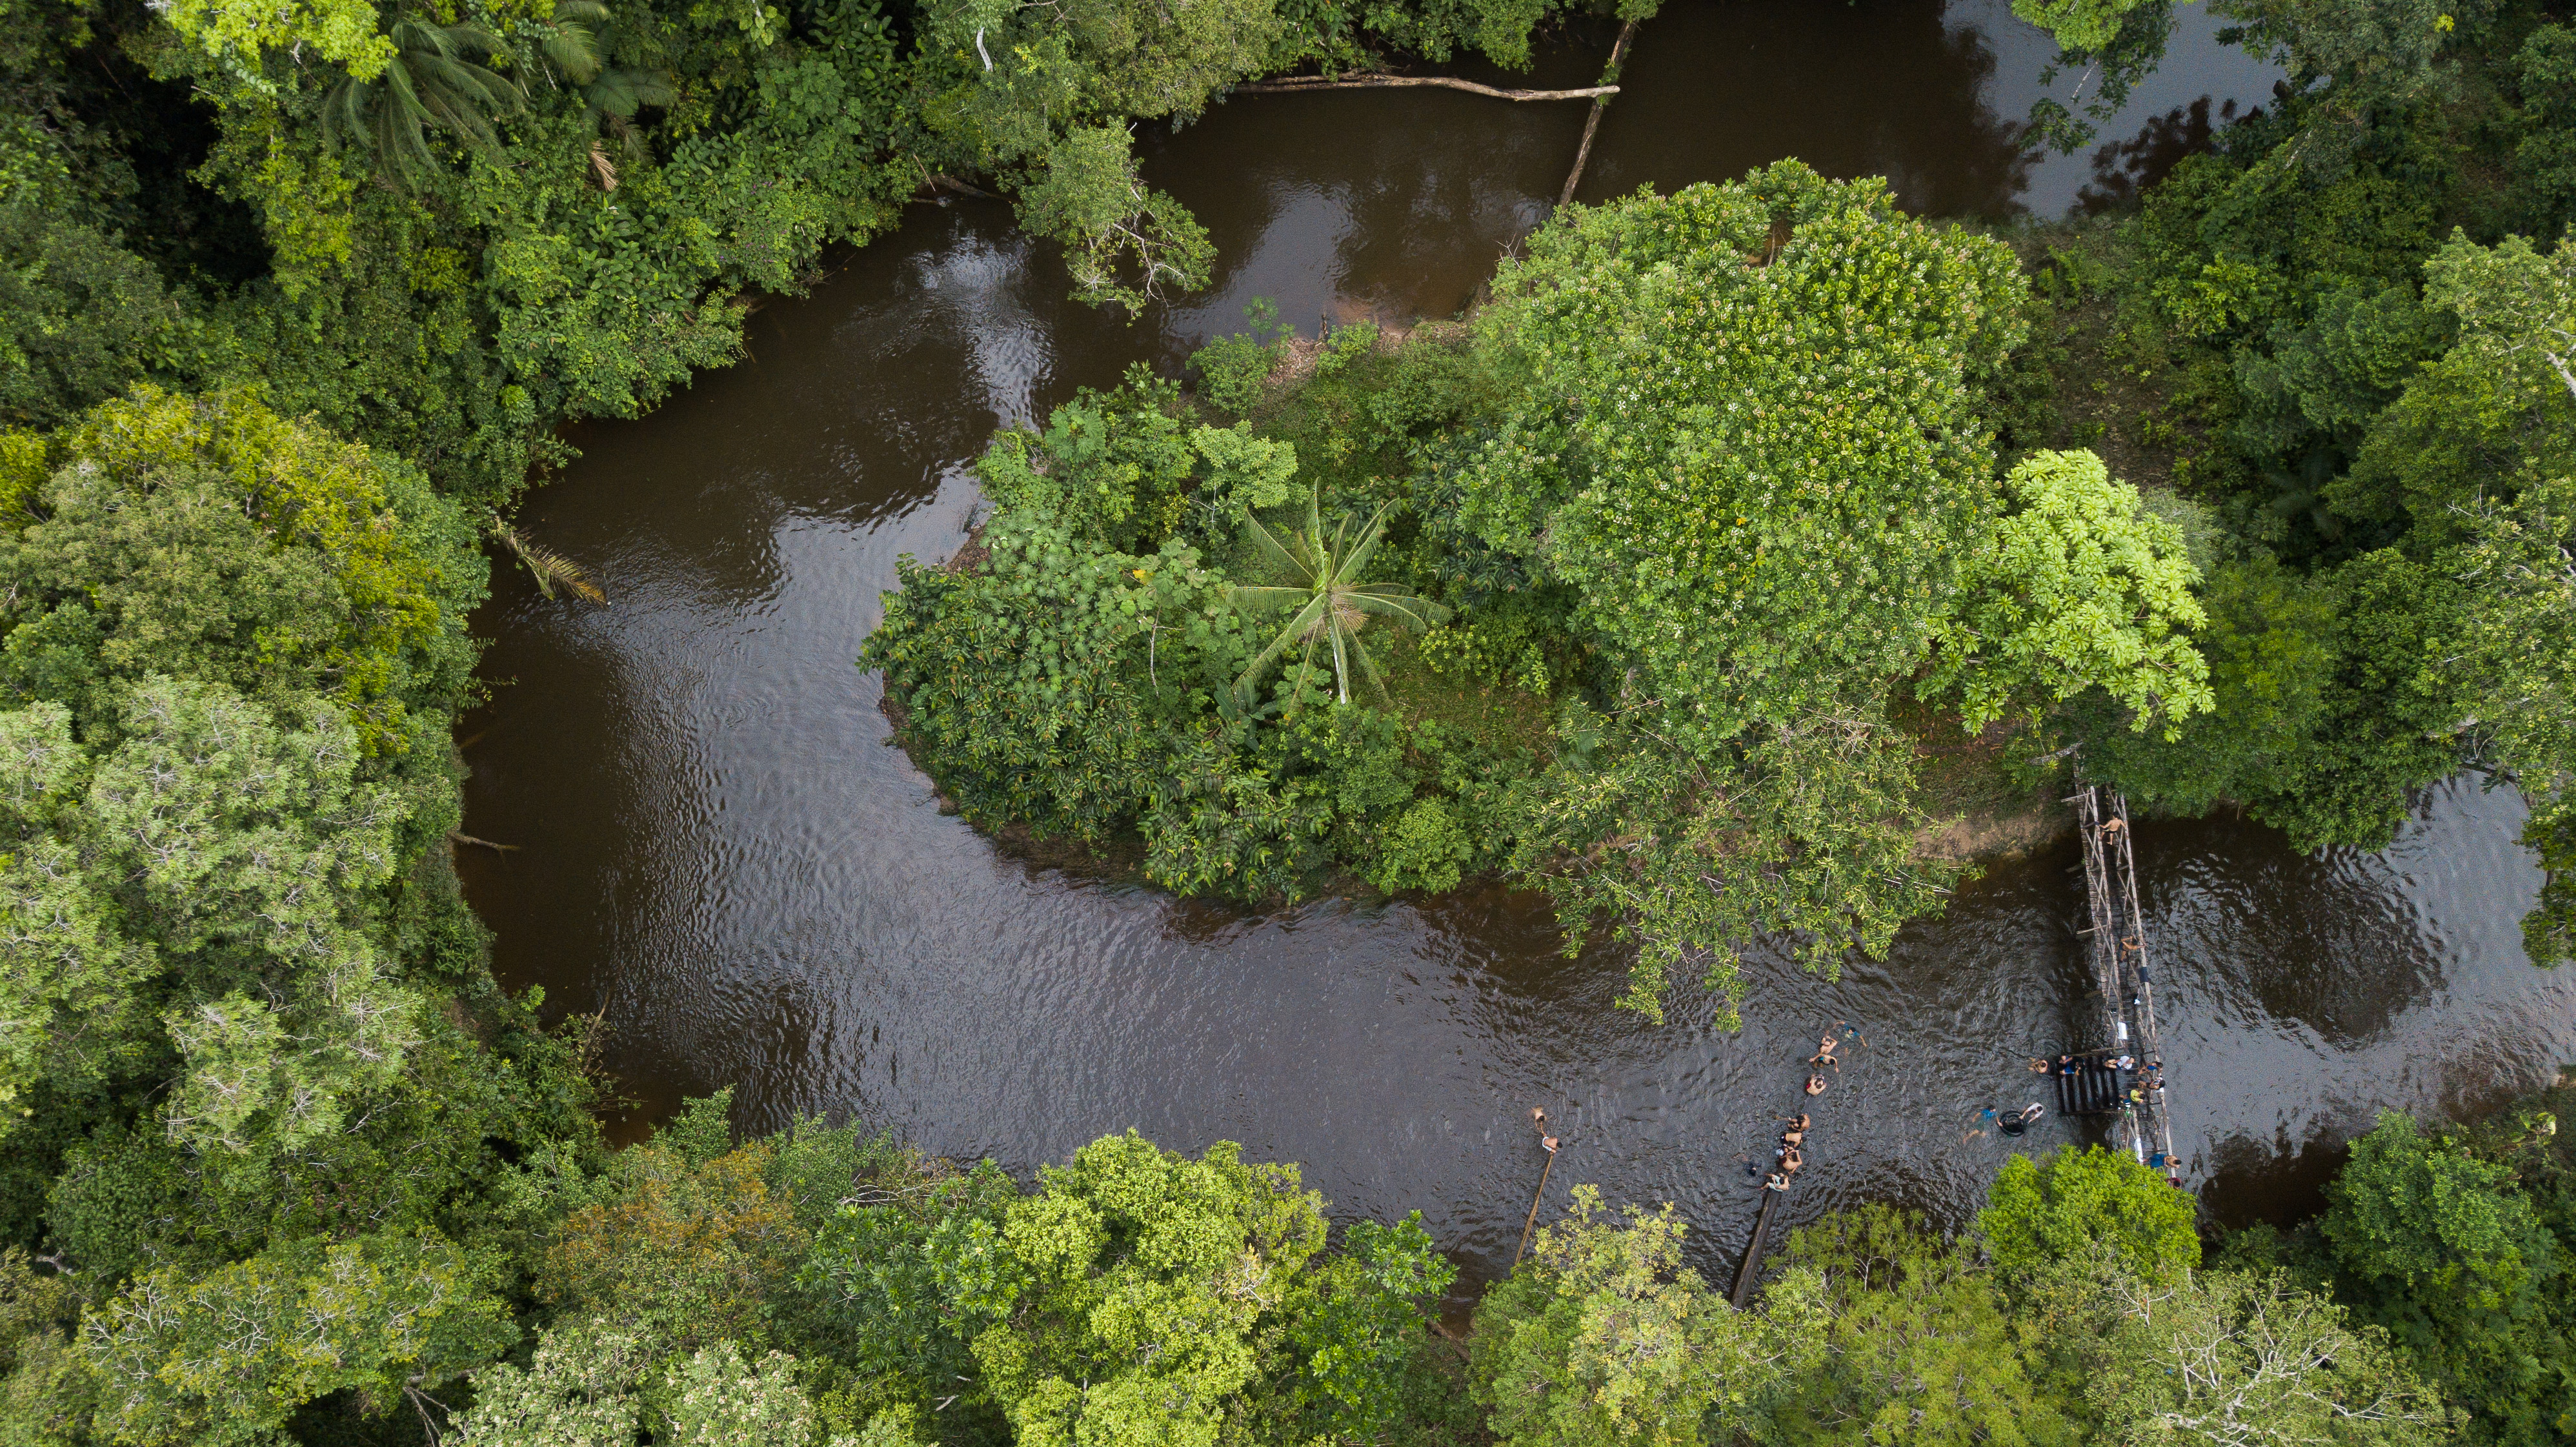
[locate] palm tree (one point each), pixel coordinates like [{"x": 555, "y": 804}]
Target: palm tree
[
  {"x": 1331, "y": 602},
  {"x": 433, "y": 80},
  {"x": 614, "y": 68}
]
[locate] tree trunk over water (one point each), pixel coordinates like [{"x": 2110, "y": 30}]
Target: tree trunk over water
[{"x": 1290, "y": 84}]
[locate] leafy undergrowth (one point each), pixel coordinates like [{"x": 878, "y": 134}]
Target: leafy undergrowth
[
  {"x": 1977, "y": 789},
  {"x": 1500, "y": 717},
  {"x": 2093, "y": 374}
]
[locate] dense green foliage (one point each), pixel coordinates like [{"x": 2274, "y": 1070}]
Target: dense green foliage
[
  {"x": 2453, "y": 1242},
  {"x": 2079, "y": 589},
  {"x": 2076, "y": 1312},
  {"x": 2340, "y": 327},
  {"x": 1700, "y": 487},
  {"x": 242, "y": 993},
  {"x": 1609, "y": 591}
]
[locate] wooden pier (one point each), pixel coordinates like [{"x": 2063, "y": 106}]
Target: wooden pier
[
  {"x": 2090, "y": 1081},
  {"x": 2124, "y": 978}
]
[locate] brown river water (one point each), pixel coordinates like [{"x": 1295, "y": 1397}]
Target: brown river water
[{"x": 717, "y": 850}]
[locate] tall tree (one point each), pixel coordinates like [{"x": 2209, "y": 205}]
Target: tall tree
[{"x": 1745, "y": 434}]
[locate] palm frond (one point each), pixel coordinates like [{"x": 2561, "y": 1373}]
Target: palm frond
[
  {"x": 1303, "y": 625},
  {"x": 1305, "y": 669},
  {"x": 1279, "y": 553},
  {"x": 574, "y": 45},
  {"x": 1404, "y": 608},
  {"x": 1368, "y": 670},
  {"x": 430, "y": 82},
  {"x": 1359, "y": 552},
  {"x": 621, "y": 93},
  {"x": 550, "y": 568},
  {"x": 1250, "y": 596},
  {"x": 1335, "y": 603}
]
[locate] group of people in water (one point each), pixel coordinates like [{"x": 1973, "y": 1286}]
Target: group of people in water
[
  {"x": 2149, "y": 1083},
  {"x": 1788, "y": 1158},
  {"x": 1824, "y": 1056},
  {"x": 2146, "y": 1082},
  {"x": 1789, "y": 1154}
]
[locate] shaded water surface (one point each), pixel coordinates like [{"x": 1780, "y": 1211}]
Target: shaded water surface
[{"x": 718, "y": 850}]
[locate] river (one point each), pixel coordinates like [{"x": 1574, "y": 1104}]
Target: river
[{"x": 717, "y": 850}]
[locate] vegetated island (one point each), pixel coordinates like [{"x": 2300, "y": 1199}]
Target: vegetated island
[{"x": 1674, "y": 584}]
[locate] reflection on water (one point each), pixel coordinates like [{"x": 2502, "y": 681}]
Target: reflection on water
[
  {"x": 719, "y": 850},
  {"x": 2123, "y": 170}
]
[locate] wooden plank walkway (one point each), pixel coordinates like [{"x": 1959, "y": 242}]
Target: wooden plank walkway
[{"x": 2123, "y": 974}]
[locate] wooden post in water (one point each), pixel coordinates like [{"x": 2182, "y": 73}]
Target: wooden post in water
[
  {"x": 1539, "y": 1118},
  {"x": 1592, "y": 122},
  {"x": 1749, "y": 1268}
]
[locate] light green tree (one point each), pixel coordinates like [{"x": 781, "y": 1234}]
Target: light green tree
[
  {"x": 207, "y": 833},
  {"x": 1125, "y": 242},
  {"x": 580, "y": 1389},
  {"x": 718, "y": 1399},
  {"x": 1244, "y": 472},
  {"x": 1919, "y": 1346},
  {"x": 2072, "y": 1206},
  {"x": 1747, "y": 435},
  {"x": 1603, "y": 1336},
  {"x": 2080, "y": 25},
  {"x": 66, "y": 966},
  {"x": 1140, "y": 1296},
  {"x": 1744, "y": 432},
  {"x": 233, "y": 837},
  {"x": 2078, "y": 587},
  {"x": 228, "y": 1356},
  {"x": 238, "y": 33}
]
